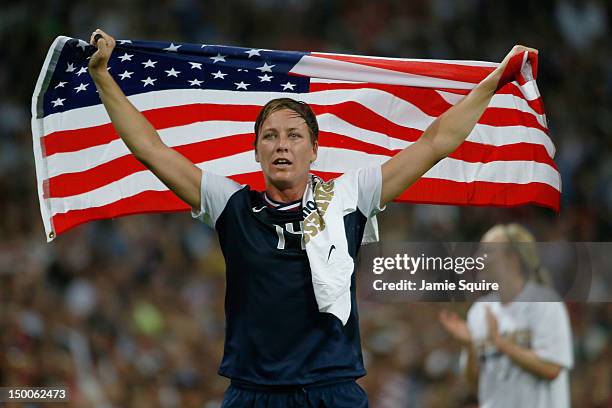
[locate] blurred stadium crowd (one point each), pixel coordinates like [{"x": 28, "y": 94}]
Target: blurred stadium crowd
[{"x": 129, "y": 312}]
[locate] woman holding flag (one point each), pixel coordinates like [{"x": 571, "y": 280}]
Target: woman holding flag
[{"x": 292, "y": 332}]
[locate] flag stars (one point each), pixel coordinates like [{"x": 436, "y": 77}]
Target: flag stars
[
  {"x": 172, "y": 48},
  {"x": 266, "y": 68},
  {"x": 241, "y": 85},
  {"x": 265, "y": 78},
  {"x": 218, "y": 58},
  {"x": 60, "y": 85},
  {"x": 289, "y": 86},
  {"x": 70, "y": 68},
  {"x": 253, "y": 52},
  {"x": 149, "y": 64},
  {"x": 173, "y": 72},
  {"x": 196, "y": 65},
  {"x": 82, "y": 71},
  {"x": 218, "y": 75},
  {"x": 195, "y": 82},
  {"x": 126, "y": 57},
  {"x": 81, "y": 87},
  {"x": 148, "y": 81},
  {"x": 126, "y": 74},
  {"x": 58, "y": 102}
]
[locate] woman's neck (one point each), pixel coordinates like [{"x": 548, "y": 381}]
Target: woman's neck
[
  {"x": 511, "y": 289},
  {"x": 286, "y": 194}
]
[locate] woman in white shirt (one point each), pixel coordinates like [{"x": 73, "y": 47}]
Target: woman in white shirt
[{"x": 517, "y": 344}]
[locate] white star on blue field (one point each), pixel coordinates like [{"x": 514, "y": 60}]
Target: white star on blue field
[{"x": 145, "y": 66}]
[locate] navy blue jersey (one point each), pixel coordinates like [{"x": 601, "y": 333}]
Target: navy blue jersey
[{"x": 275, "y": 333}]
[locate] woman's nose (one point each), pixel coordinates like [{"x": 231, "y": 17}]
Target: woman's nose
[{"x": 283, "y": 143}]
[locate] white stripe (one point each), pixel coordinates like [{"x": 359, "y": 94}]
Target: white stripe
[
  {"x": 333, "y": 81},
  {"x": 529, "y": 90},
  {"x": 38, "y": 132},
  {"x": 348, "y": 71},
  {"x": 329, "y": 160},
  {"x": 526, "y": 70},
  {"x": 329, "y": 122},
  {"x": 381, "y": 102},
  {"x": 507, "y": 101},
  {"x": 78, "y": 161}
]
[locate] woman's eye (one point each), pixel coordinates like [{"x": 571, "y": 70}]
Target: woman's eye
[{"x": 294, "y": 135}]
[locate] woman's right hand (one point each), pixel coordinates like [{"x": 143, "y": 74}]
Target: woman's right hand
[{"x": 98, "y": 62}]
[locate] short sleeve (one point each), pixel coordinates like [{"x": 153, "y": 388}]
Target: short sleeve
[
  {"x": 552, "y": 336},
  {"x": 215, "y": 192},
  {"x": 370, "y": 187}
]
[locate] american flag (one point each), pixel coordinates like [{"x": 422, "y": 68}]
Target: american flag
[{"x": 203, "y": 100}]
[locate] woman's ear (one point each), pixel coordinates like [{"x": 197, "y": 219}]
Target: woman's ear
[
  {"x": 256, "y": 156},
  {"x": 315, "y": 149}
]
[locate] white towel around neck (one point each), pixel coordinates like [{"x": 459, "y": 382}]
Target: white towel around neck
[{"x": 324, "y": 205}]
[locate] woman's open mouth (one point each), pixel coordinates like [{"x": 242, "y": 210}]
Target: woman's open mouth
[{"x": 281, "y": 163}]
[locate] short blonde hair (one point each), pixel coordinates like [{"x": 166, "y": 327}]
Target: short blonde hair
[{"x": 523, "y": 243}]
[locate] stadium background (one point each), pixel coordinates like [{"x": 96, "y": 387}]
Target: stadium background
[{"x": 129, "y": 312}]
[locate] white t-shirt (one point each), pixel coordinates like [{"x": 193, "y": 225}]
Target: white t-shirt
[{"x": 540, "y": 326}]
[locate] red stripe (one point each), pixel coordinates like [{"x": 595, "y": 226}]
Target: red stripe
[
  {"x": 510, "y": 117},
  {"x": 424, "y": 191},
  {"x": 161, "y": 118},
  {"x": 481, "y": 193},
  {"x": 68, "y": 184},
  {"x": 455, "y": 72},
  {"x": 512, "y": 71},
  {"x": 467, "y": 151},
  {"x": 427, "y": 100},
  {"x": 145, "y": 202}
]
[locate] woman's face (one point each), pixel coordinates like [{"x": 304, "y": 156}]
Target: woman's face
[
  {"x": 284, "y": 149},
  {"x": 501, "y": 262}
]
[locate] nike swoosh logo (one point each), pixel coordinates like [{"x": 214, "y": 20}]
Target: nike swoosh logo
[
  {"x": 330, "y": 251},
  {"x": 255, "y": 209}
]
